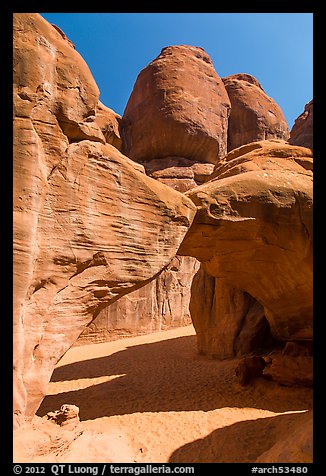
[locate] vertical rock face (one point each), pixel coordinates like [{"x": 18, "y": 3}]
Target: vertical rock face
[
  {"x": 228, "y": 321},
  {"x": 161, "y": 304},
  {"x": 302, "y": 130},
  {"x": 109, "y": 121},
  {"x": 89, "y": 225},
  {"x": 178, "y": 107},
  {"x": 253, "y": 231},
  {"x": 164, "y": 302},
  {"x": 254, "y": 116}
]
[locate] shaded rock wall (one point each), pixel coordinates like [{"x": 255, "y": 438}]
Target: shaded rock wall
[
  {"x": 228, "y": 321},
  {"x": 159, "y": 305}
]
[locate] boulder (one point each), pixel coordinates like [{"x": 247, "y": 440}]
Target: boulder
[
  {"x": 89, "y": 225},
  {"x": 178, "y": 107},
  {"x": 254, "y": 115},
  {"x": 302, "y": 130},
  {"x": 248, "y": 368},
  {"x": 67, "y": 416},
  {"x": 291, "y": 370},
  {"x": 253, "y": 231}
]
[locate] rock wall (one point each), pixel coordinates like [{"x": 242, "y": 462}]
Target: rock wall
[
  {"x": 159, "y": 305},
  {"x": 164, "y": 302},
  {"x": 253, "y": 231},
  {"x": 302, "y": 130},
  {"x": 228, "y": 321},
  {"x": 89, "y": 225}
]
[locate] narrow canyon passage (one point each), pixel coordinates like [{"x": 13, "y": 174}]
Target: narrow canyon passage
[{"x": 152, "y": 398}]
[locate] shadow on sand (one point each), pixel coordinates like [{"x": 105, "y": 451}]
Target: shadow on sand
[
  {"x": 166, "y": 376},
  {"x": 245, "y": 441}
]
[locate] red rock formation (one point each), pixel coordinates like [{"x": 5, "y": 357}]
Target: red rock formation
[
  {"x": 295, "y": 445},
  {"x": 164, "y": 302},
  {"x": 228, "y": 321},
  {"x": 67, "y": 416},
  {"x": 249, "y": 368},
  {"x": 253, "y": 231},
  {"x": 288, "y": 370},
  {"x": 109, "y": 121},
  {"x": 89, "y": 225},
  {"x": 292, "y": 366},
  {"x": 254, "y": 115},
  {"x": 178, "y": 107},
  {"x": 159, "y": 305},
  {"x": 186, "y": 130},
  {"x": 177, "y": 172},
  {"x": 302, "y": 130}
]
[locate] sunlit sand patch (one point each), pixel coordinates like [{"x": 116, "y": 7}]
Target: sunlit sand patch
[{"x": 56, "y": 388}]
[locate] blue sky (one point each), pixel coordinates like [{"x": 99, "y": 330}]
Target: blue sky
[{"x": 276, "y": 48}]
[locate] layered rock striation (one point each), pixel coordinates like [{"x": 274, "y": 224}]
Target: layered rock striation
[
  {"x": 89, "y": 225},
  {"x": 94, "y": 228},
  {"x": 161, "y": 304},
  {"x": 253, "y": 235}
]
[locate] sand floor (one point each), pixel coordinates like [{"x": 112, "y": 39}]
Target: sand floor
[{"x": 152, "y": 398}]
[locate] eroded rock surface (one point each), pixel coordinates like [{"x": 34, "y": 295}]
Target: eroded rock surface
[
  {"x": 178, "y": 107},
  {"x": 89, "y": 225},
  {"x": 248, "y": 368},
  {"x": 254, "y": 115},
  {"x": 302, "y": 130},
  {"x": 228, "y": 321},
  {"x": 109, "y": 122},
  {"x": 253, "y": 231},
  {"x": 159, "y": 305}
]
